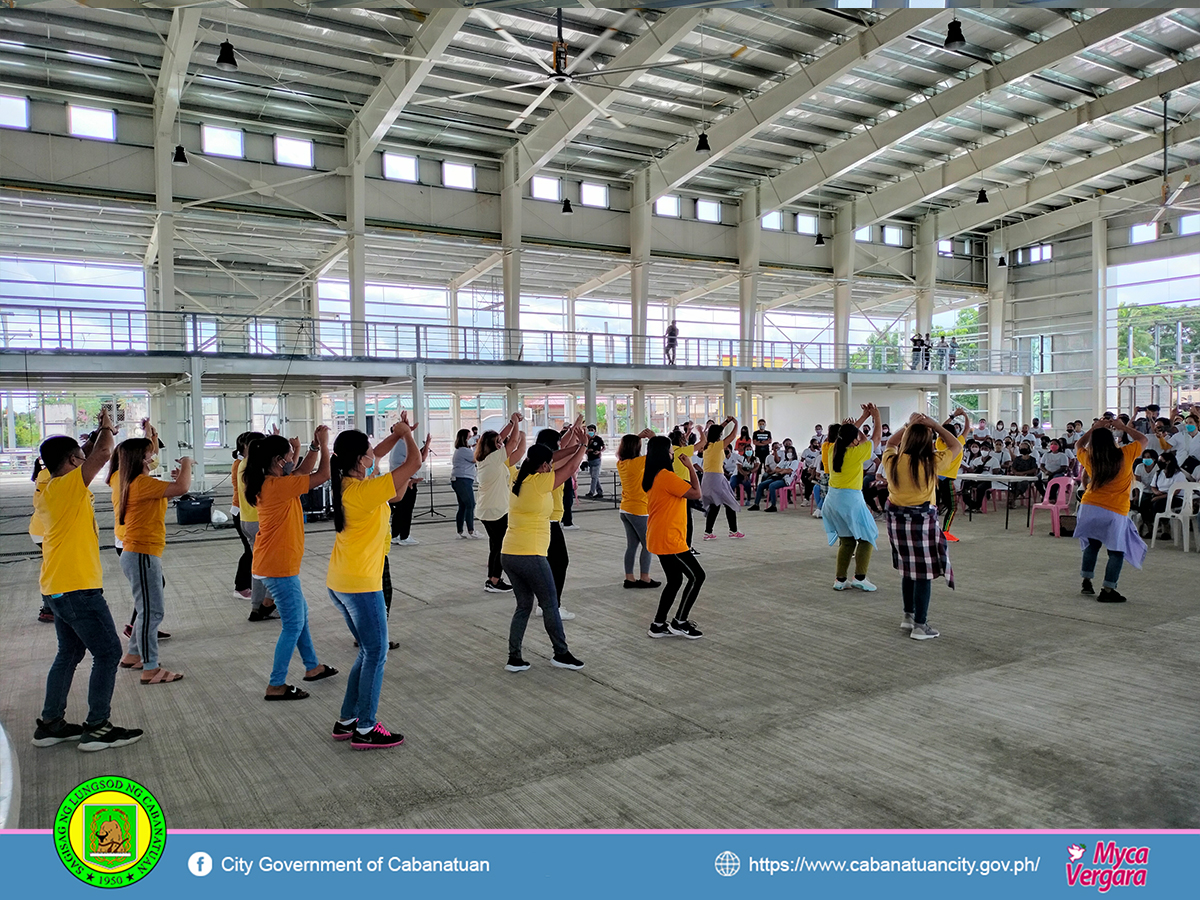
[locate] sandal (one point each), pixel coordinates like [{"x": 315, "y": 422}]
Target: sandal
[
  {"x": 291, "y": 692},
  {"x": 131, "y": 665},
  {"x": 326, "y": 672},
  {"x": 162, "y": 676}
]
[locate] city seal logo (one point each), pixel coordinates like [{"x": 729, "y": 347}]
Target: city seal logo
[{"x": 109, "y": 832}]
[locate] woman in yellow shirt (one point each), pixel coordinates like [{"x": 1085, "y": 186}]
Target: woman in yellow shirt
[
  {"x": 496, "y": 456},
  {"x": 631, "y": 466},
  {"x": 715, "y": 491},
  {"x": 667, "y": 498},
  {"x": 847, "y": 520},
  {"x": 241, "y": 579},
  {"x": 279, "y": 548},
  {"x": 1104, "y": 510},
  {"x": 37, "y": 524},
  {"x": 141, "y": 512},
  {"x": 526, "y": 542},
  {"x": 362, "y": 520},
  {"x": 911, "y": 463},
  {"x": 681, "y": 464}
]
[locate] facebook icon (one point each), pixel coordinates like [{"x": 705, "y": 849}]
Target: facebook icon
[{"x": 200, "y": 864}]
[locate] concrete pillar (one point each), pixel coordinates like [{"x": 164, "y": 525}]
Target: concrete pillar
[
  {"x": 512, "y": 400},
  {"x": 925, "y": 271},
  {"x": 639, "y": 257},
  {"x": 452, "y": 302},
  {"x": 569, "y": 310},
  {"x": 198, "y": 430},
  {"x": 510, "y": 245},
  {"x": 589, "y": 395},
  {"x": 356, "y": 250},
  {"x": 420, "y": 406},
  {"x": 1104, "y": 332},
  {"x": 944, "y": 405},
  {"x": 845, "y": 397},
  {"x": 637, "y": 415},
  {"x": 746, "y": 412},
  {"x": 455, "y": 411},
  {"x": 165, "y": 332},
  {"x": 843, "y": 286},
  {"x": 360, "y": 407},
  {"x": 996, "y": 311},
  {"x": 167, "y": 423},
  {"x": 729, "y": 383},
  {"x": 749, "y": 241}
]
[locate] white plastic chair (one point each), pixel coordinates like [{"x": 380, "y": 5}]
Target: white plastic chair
[{"x": 1184, "y": 517}]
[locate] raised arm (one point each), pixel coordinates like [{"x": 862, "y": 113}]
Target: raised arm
[
  {"x": 321, "y": 475},
  {"x": 1085, "y": 439},
  {"x": 733, "y": 432},
  {"x": 402, "y": 431},
  {"x": 693, "y": 492},
  {"x": 1137, "y": 436},
  {"x": 183, "y": 481},
  {"x": 98, "y": 448},
  {"x": 515, "y": 448},
  {"x": 564, "y": 469},
  {"x": 953, "y": 444}
]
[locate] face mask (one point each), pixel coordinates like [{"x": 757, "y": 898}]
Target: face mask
[
  {"x": 1053, "y": 448},
  {"x": 591, "y": 434},
  {"x": 370, "y": 470},
  {"x": 1147, "y": 463},
  {"x": 287, "y": 468},
  {"x": 1191, "y": 428}
]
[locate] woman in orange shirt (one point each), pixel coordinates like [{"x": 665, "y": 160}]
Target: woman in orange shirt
[
  {"x": 631, "y": 466},
  {"x": 241, "y": 579},
  {"x": 667, "y": 497},
  {"x": 1104, "y": 510},
  {"x": 141, "y": 511},
  {"x": 279, "y": 548}
]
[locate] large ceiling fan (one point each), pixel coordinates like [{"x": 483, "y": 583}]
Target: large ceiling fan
[
  {"x": 1183, "y": 197},
  {"x": 561, "y": 72}
]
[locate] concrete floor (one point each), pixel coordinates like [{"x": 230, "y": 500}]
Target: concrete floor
[{"x": 800, "y": 708}]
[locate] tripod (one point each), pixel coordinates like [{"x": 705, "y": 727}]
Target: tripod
[{"x": 432, "y": 511}]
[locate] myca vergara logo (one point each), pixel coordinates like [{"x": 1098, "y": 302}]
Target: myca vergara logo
[
  {"x": 1110, "y": 866},
  {"x": 109, "y": 832}
]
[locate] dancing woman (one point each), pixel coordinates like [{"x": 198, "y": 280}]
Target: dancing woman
[
  {"x": 496, "y": 459},
  {"x": 847, "y": 520},
  {"x": 667, "y": 497},
  {"x": 715, "y": 491},
  {"x": 631, "y": 466}
]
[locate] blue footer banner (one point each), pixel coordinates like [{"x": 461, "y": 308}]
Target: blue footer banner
[{"x": 103, "y": 842}]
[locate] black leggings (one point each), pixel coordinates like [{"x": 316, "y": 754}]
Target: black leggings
[
  {"x": 558, "y": 558},
  {"x": 495, "y": 529},
  {"x": 241, "y": 580},
  {"x": 678, "y": 567},
  {"x": 711, "y": 518}
]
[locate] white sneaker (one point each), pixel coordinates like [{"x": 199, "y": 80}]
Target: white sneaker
[
  {"x": 924, "y": 632},
  {"x": 407, "y": 542},
  {"x": 564, "y": 615},
  {"x": 570, "y": 528},
  {"x": 818, "y": 515},
  {"x": 863, "y": 585},
  {"x": 463, "y": 536},
  {"x": 840, "y": 585},
  {"x": 475, "y": 536}
]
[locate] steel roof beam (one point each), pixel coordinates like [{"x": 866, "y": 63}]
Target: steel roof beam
[
  {"x": 1040, "y": 228},
  {"x": 894, "y": 199},
  {"x": 796, "y": 296},
  {"x": 703, "y": 290},
  {"x": 841, "y": 158},
  {"x": 684, "y": 163},
  {"x": 970, "y": 216},
  {"x": 566, "y": 122},
  {"x": 402, "y": 80},
  {"x": 476, "y": 271},
  {"x": 599, "y": 281},
  {"x": 173, "y": 73}
]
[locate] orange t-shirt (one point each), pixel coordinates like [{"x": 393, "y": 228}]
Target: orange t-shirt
[
  {"x": 666, "y": 529},
  {"x": 145, "y": 516},
  {"x": 237, "y": 496},
  {"x": 114, "y": 483},
  {"x": 1113, "y": 496},
  {"x": 280, "y": 543}
]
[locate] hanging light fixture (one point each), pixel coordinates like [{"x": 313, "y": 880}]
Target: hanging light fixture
[
  {"x": 820, "y": 241},
  {"x": 566, "y": 208},
  {"x": 702, "y": 143},
  {"x": 180, "y": 158},
  {"x": 954, "y": 35},
  {"x": 1166, "y": 230},
  {"x": 981, "y": 198},
  {"x": 225, "y": 58},
  {"x": 1003, "y": 262}
]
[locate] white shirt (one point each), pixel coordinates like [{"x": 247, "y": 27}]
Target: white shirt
[{"x": 810, "y": 457}]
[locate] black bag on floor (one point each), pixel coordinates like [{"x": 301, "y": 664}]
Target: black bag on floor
[{"x": 1066, "y": 526}]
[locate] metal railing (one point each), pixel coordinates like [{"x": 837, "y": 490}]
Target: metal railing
[{"x": 81, "y": 329}]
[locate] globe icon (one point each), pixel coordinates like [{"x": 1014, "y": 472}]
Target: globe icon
[{"x": 728, "y": 863}]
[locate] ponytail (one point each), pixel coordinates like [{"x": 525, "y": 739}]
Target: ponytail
[
  {"x": 348, "y": 449},
  {"x": 538, "y": 456},
  {"x": 845, "y": 437},
  {"x": 260, "y": 455},
  {"x": 37, "y": 468}
]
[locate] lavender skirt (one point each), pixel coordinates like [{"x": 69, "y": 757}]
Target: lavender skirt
[
  {"x": 715, "y": 491},
  {"x": 1114, "y": 531}
]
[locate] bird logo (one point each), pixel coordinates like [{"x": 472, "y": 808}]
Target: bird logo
[{"x": 1076, "y": 851}]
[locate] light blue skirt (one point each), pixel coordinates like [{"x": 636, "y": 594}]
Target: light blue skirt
[
  {"x": 1114, "y": 531},
  {"x": 845, "y": 514}
]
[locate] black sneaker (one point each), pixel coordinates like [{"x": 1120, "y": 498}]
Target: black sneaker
[
  {"x": 378, "y": 738},
  {"x": 771, "y": 509},
  {"x": 1110, "y": 595},
  {"x": 660, "y": 631},
  {"x": 57, "y": 732},
  {"x": 685, "y": 629},
  {"x": 46, "y": 614},
  {"x": 262, "y": 614},
  {"x": 566, "y": 661},
  {"x": 753, "y": 507},
  {"x": 1087, "y": 587},
  {"x": 107, "y": 735},
  {"x": 516, "y": 664},
  {"x": 499, "y": 587},
  {"x": 344, "y": 732}
]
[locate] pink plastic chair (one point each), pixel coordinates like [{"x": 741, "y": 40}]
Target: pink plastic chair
[{"x": 1059, "y": 506}]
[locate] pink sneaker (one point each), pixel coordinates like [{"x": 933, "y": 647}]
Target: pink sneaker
[
  {"x": 736, "y": 535},
  {"x": 710, "y": 537}
]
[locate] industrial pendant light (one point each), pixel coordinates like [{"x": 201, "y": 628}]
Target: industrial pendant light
[
  {"x": 180, "y": 158},
  {"x": 702, "y": 144},
  {"x": 981, "y": 198},
  {"x": 820, "y": 241},
  {"x": 1166, "y": 230},
  {"x": 954, "y": 35},
  {"x": 225, "y": 59},
  {"x": 566, "y": 209},
  {"x": 1003, "y": 262}
]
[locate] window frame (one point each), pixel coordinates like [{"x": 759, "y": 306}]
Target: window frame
[
  {"x": 390, "y": 156},
  {"x": 804, "y": 218},
  {"x": 216, "y": 130},
  {"x": 673, "y": 199},
  {"x": 24, "y": 102},
  {"x": 288, "y": 139},
  {"x": 587, "y": 186},
  {"x": 71, "y": 126},
  {"x": 775, "y": 214},
  {"x": 710, "y": 204},
  {"x": 449, "y": 165},
  {"x": 863, "y": 235},
  {"x": 546, "y": 180},
  {"x": 897, "y": 231}
]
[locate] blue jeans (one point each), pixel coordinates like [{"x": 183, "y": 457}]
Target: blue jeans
[
  {"x": 818, "y": 494},
  {"x": 464, "y": 490},
  {"x": 769, "y": 484},
  {"x": 594, "y": 469},
  {"x": 293, "y": 632},
  {"x": 530, "y": 577},
  {"x": 916, "y": 598},
  {"x": 83, "y": 624},
  {"x": 365, "y": 615},
  {"x": 144, "y": 572},
  {"x": 1112, "y": 571}
]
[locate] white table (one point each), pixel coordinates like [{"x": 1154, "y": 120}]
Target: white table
[{"x": 1009, "y": 480}]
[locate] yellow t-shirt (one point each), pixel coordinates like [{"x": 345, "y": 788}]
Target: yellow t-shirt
[
  {"x": 826, "y": 456},
  {"x": 556, "y": 511},
  {"x": 247, "y": 512},
  {"x": 633, "y": 498},
  {"x": 714, "y": 458},
  {"x": 280, "y": 543},
  {"x": 679, "y": 465},
  {"x": 851, "y": 474},
  {"x": 145, "y": 516},
  {"x": 1113, "y": 496},
  {"x": 114, "y": 484},
  {"x": 37, "y": 522},
  {"x": 954, "y": 465},
  {"x": 71, "y": 545},
  {"x": 902, "y": 490},
  {"x": 356, "y": 566},
  {"x": 529, "y": 512},
  {"x": 495, "y": 486},
  {"x": 666, "y": 529}
]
